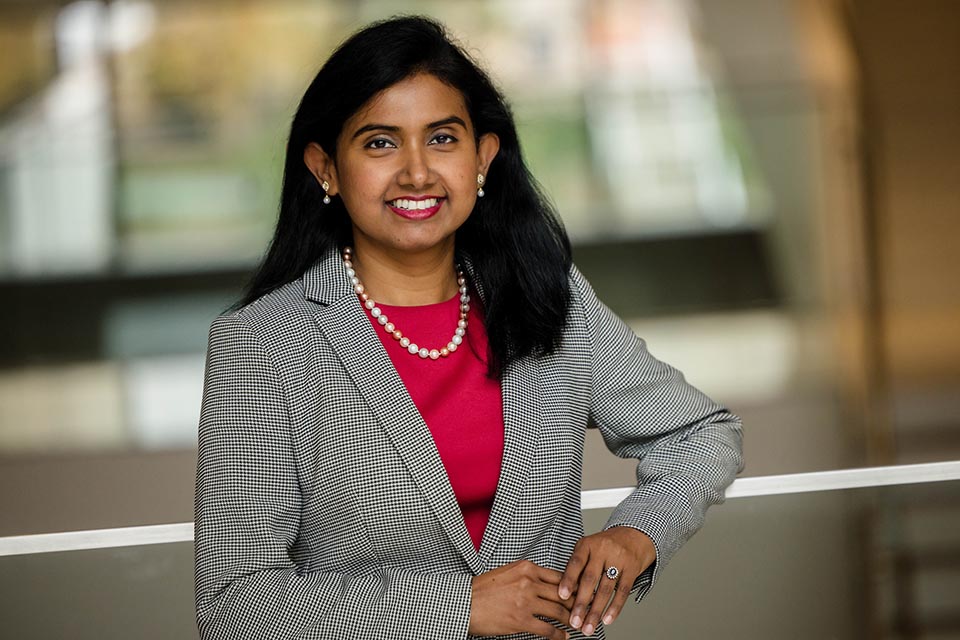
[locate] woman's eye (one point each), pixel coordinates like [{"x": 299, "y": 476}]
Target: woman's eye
[
  {"x": 379, "y": 143},
  {"x": 442, "y": 138}
]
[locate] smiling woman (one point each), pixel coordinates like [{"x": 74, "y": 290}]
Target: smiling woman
[
  {"x": 408, "y": 167},
  {"x": 393, "y": 420}
]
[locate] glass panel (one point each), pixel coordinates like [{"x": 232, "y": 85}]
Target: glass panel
[
  {"x": 179, "y": 164},
  {"x": 877, "y": 563},
  {"x": 159, "y": 163}
]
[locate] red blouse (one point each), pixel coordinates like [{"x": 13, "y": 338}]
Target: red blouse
[{"x": 462, "y": 406}]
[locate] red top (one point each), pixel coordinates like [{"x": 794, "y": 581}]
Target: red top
[{"x": 462, "y": 406}]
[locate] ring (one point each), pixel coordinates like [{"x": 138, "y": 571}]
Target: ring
[{"x": 612, "y": 573}]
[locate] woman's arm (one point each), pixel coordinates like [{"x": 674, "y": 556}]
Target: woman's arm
[
  {"x": 247, "y": 517},
  {"x": 688, "y": 447}
]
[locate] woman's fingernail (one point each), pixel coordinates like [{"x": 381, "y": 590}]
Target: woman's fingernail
[
  {"x": 588, "y": 629},
  {"x": 564, "y": 593},
  {"x": 575, "y": 622},
  {"x": 607, "y": 619}
]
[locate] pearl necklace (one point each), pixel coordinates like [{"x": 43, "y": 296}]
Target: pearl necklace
[{"x": 390, "y": 328}]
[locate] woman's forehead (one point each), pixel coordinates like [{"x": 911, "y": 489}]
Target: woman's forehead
[{"x": 413, "y": 102}]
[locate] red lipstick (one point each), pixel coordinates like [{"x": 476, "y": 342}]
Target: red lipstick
[{"x": 412, "y": 213}]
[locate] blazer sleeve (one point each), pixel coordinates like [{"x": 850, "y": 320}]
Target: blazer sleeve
[
  {"x": 247, "y": 517},
  {"x": 689, "y": 448}
]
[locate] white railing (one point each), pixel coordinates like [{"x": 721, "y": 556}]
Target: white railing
[{"x": 594, "y": 499}]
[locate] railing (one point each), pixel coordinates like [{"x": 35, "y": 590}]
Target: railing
[{"x": 593, "y": 499}]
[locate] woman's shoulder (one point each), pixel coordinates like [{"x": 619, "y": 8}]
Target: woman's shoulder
[
  {"x": 580, "y": 288},
  {"x": 280, "y": 302},
  {"x": 283, "y": 311},
  {"x": 585, "y": 305},
  {"x": 296, "y": 301}
]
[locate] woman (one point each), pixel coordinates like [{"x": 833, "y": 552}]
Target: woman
[{"x": 393, "y": 419}]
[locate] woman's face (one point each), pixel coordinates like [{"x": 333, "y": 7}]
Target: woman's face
[{"x": 406, "y": 167}]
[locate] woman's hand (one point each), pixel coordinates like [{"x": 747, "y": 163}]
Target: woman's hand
[
  {"x": 627, "y": 549},
  {"x": 506, "y": 599}
]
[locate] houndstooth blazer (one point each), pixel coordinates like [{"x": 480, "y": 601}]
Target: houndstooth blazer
[{"x": 323, "y": 509}]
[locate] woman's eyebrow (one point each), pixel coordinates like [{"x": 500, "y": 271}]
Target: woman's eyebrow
[
  {"x": 375, "y": 127},
  {"x": 393, "y": 129},
  {"x": 446, "y": 121}
]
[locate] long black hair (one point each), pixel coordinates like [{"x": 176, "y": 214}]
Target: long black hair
[{"x": 515, "y": 241}]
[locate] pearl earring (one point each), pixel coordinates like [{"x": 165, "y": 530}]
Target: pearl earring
[
  {"x": 480, "y": 181},
  {"x": 326, "y": 196}
]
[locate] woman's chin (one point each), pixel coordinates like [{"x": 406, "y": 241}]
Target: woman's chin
[{"x": 408, "y": 243}]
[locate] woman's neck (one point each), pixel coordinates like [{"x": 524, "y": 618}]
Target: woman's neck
[{"x": 408, "y": 279}]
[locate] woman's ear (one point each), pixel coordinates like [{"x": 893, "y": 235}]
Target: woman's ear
[
  {"x": 487, "y": 151},
  {"x": 321, "y": 166}
]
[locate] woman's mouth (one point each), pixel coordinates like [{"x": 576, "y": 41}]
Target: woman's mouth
[{"x": 419, "y": 209}]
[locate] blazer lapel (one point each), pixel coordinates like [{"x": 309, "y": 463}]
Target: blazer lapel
[
  {"x": 520, "y": 390},
  {"x": 344, "y": 323}
]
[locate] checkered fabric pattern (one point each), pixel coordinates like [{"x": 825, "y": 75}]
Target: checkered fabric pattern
[{"x": 323, "y": 509}]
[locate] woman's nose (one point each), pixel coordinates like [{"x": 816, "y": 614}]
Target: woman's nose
[{"x": 416, "y": 167}]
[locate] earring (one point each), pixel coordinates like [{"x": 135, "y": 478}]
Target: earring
[
  {"x": 326, "y": 196},
  {"x": 480, "y": 181}
]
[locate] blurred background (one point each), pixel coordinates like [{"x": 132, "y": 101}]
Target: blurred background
[{"x": 773, "y": 184}]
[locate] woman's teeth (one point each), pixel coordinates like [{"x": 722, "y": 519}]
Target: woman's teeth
[{"x": 413, "y": 205}]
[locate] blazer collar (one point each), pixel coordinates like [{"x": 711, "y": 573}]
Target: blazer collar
[
  {"x": 344, "y": 323},
  {"x": 326, "y": 282}
]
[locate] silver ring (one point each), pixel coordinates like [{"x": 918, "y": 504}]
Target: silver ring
[{"x": 612, "y": 573}]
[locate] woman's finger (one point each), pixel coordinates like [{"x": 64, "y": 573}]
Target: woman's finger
[
  {"x": 575, "y": 565},
  {"x": 588, "y": 582},
  {"x": 599, "y": 603},
  {"x": 619, "y": 598},
  {"x": 553, "y": 610},
  {"x": 548, "y": 591},
  {"x": 550, "y": 576}
]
